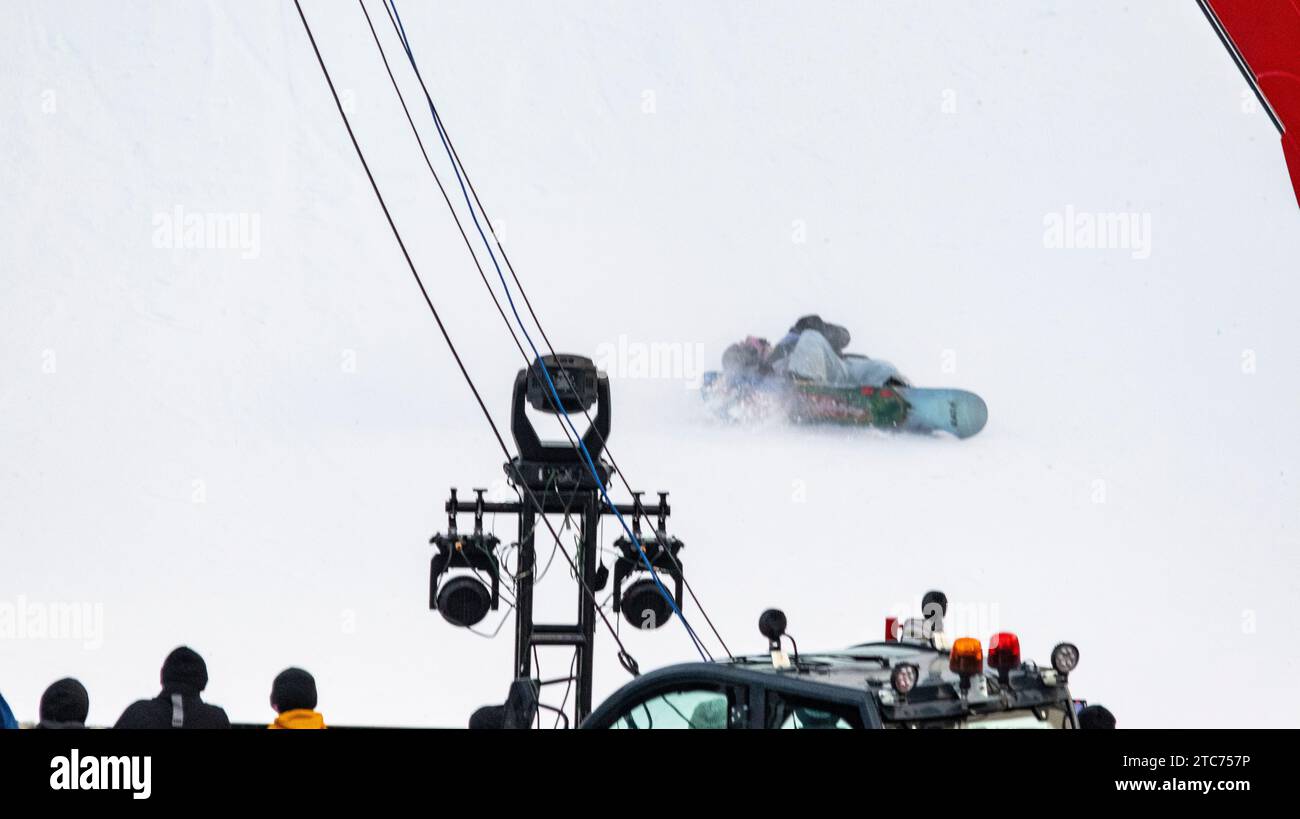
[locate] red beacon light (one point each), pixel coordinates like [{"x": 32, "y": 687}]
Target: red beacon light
[
  {"x": 966, "y": 658},
  {"x": 1004, "y": 654},
  {"x": 892, "y": 629}
]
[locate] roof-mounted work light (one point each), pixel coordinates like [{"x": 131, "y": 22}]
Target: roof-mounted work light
[
  {"x": 904, "y": 678},
  {"x": 934, "y": 607},
  {"x": 1065, "y": 657},
  {"x": 772, "y": 625}
]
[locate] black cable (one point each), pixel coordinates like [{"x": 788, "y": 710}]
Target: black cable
[
  {"x": 454, "y": 215},
  {"x": 625, "y": 659},
  {"x": 560, "y": 713},
  {"x": 546, "y": 490},
  {"x": 529, "y": 364},
  {"x": 527, "y": 302},
  {"x": 395, "y": 18},
  {"x": 564, "y": 701},
  {"x": 401, "y": 98},
  {"x": 537, "y": 665}
]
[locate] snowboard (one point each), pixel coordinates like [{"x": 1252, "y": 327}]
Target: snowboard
[{"x": 912, "y": 409}]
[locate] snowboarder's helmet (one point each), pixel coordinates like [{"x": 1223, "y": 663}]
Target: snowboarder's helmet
[{"x": 835, "y": 334}]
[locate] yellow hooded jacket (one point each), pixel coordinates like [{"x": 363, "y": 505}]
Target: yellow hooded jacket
[{"x": 299, "y": 718}]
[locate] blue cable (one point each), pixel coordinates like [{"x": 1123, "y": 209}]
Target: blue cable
[{"x": 555, "y": 396}]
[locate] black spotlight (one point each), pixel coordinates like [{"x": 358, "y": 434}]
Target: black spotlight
[
  {"x": 772, "y": 625},
  {"x": 934, "y": 607},
  {"x": 464, "y": 601},
  {"x": 459, "y": 596},
  {"x": 644, "y": 605}
]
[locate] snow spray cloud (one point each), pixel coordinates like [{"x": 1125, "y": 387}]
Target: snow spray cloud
[
  {"x": 1101, "y": 230},
  {"x": 179, "y": 229},
  {"x": 668, "y": 360},
  {"x": 23, "y": 619}
]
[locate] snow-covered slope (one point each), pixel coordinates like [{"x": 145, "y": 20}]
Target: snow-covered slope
[{"x": 245, "y": 449}]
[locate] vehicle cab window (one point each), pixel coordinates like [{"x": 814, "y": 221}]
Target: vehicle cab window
[
  {"x": 700, "y": 708},
  {"x": 797, "y": 713}
]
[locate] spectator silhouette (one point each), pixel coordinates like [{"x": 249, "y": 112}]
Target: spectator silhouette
[
  {"x": 1096, "y": 717},
  {"x": 64, "y": 704},
  {"x": 7, "y": 719},
  {"x": 293, "y": 696},
  {"x": 184, "y": 676}
]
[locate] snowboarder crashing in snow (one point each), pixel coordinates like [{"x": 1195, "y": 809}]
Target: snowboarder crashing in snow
[
  {"x": 812, "y": 352},
  {"x": 807, "y": 377}
]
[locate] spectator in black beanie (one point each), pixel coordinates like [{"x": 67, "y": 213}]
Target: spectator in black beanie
[
  {"x": 293, "y": 696},
  {"x": 1096, "y": 717},
  {"x": 184, "y": 676},
  {"x": 64, "y": 704}
]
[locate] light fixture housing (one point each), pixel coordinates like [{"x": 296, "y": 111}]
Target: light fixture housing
[
  {"x": 464, "y": 601},
  {"x": 1065, "y": 657},
  {"x": 644, "y": 606},
  {"x": 772, "y": 624},
  {"x": 904, "y": 678},
  {"x": 966, "y": 657},
  {"x": 1004, "y": 653},
  {"x": 934, "y": 606}
]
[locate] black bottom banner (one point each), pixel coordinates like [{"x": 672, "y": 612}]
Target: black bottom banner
[{"x": 1218, "y": 768}]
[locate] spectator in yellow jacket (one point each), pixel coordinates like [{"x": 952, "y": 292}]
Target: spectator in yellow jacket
[{"x": 293, "y": 696}]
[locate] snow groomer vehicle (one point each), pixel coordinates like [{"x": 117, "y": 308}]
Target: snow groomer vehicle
[{"x": 914, "y": 678}]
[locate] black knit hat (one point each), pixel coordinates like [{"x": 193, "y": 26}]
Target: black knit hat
[
  {"x": 293, "y": 689},
  {"x": 184, "y": 667},
  {"x": 1096, "y": 717},
  {"x": 65, "y": 702}
]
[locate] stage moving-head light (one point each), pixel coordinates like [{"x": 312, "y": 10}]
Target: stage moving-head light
[
  {"x": 574, "y": 377},
  {"x": 457, "y": 573},
  {"x": 582, "y": 391},
  {"x": 645, "y": 602},
  {"x": 645, "y": 606},
  {"x": 464, "y": 601}
]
